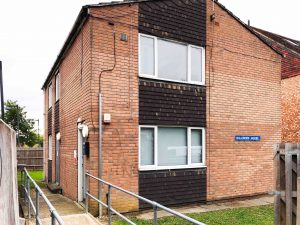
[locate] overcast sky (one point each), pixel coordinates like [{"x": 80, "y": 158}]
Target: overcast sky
[{"x": 32, "y": 32}]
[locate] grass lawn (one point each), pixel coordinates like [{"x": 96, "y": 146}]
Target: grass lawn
[
  {"x": 262, "y": 215},
  {"x": 37, "y": 176}
]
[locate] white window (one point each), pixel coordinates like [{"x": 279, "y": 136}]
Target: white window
[
  {"x": 147, "y": 56},
  {"x": 50, "y": 96},
  {"x": 57, "y": 87},
  {"x": 171, "y": 147},
  {"x": 50, "y": 147},
  {"x": 171, "y": 61}
]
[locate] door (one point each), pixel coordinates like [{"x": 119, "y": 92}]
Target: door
[
  {"x": 57, "y": 159},
  {"x": 81, "y": 170}
]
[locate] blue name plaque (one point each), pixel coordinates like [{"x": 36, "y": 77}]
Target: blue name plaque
[{"x": 247, "y": 138}]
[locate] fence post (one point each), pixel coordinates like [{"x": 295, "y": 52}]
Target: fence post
[
  {"x": 288, "y": 184},
  {"x": 155, "y": 214},
  {"x": 36, "y": 206},
  {"x": 109, "y": 204},
  {"x": 28, "y": 195},
  {"x": 277, "y": 184}
]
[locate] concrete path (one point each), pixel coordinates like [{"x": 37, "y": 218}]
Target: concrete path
[
  {"x": 259, "y": 201},
  {"x": 71, "y": 212}
]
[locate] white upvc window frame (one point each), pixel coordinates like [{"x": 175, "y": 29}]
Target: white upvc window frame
[
  {"x": 189, "y": 143},
  {"x": 50, "y": 147},
  {"x": 57, "y": 86},
  {"x": 50, "y": 95},
  {"x": 155, "y": 75}
]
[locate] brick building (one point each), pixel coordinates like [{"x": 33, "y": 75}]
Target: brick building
[
  {"x": 183, "y": 83},
  {"x": 290, "y": 83}
]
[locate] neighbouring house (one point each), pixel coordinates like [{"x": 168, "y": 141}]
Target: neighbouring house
[
  {"x": 178, "y": 101},
  {"x": 290, "y": 83}
]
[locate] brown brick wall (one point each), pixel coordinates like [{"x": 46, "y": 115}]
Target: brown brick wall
[
  {"x": 74, "y": 103},
  {"x": 93, "y": 48},
  {"x": 290, "y": 109},
  {"x": 243, "y": 98},
  {"x": 120, "y": 96}
]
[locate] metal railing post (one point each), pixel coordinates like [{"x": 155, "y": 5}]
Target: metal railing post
[
  {"x": 55, "y": 217},
  {"x": 28, "y": 195},
  {"x": 156, "y": 206},
  {"x": 109, "y": 204},
  {"x": 52, "y": 219},
  {"x": 154, "y": 214},
  {"x": 21, "y": 183},
  {"x": 86, "y": 191},
  {"x": 24, "y": 186},
  {"x": 37, "y": 206}
]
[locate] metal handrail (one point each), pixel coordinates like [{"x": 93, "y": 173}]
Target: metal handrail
[
  {"x": 39, "y": 193},
  {"x": 111, "y": 210}
]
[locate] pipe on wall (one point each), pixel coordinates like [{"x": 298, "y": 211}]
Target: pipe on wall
[{"x": 100, "y": 154}]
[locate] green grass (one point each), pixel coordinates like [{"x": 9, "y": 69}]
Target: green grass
[
  {"x": 262, "y": 215},
  {"x": 37, "y": 176}
]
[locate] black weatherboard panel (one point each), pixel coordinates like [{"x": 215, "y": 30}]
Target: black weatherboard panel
[
  {"x": 181, "y": 20},
  {"x": 56, "y": 117},
  {"x": 173, "y": 187},
  {"x": 166, "y": 103}
]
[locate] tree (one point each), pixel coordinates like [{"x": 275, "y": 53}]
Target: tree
[{"x": 16, "y": 117}]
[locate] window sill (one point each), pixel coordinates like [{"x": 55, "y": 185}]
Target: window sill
[
  {"x": 169, "y": 80},
  {"x": 153, "y": 168}
]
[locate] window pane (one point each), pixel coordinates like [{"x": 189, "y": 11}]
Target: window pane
[
  {"x": 196, "y": 64},
  {"x": 197, "y": 145},
  {"x": 172, "y": 146},
  {"x": 57, "y": 83},
  {"x": 147, "y": 146},
  {"x": 50, "y": 147},
  {"x": 147, "y": 55},
  {"x": 50, "y": 95},
  {"x": 172, "y": 60}
]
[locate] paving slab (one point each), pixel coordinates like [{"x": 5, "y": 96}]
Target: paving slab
[
  {"x": 76, "y": 219},
  {"x": 71, "y": 212}
]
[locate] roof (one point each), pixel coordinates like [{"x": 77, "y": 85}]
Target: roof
[
  {"x": 83, "y": 15},
  {"x": 280, "y": 42}
]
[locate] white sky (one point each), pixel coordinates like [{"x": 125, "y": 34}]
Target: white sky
[{"x": 32, "y": 33}]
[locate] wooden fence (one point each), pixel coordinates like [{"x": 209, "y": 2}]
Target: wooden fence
[
  {"x": 31, "y": 157},
  {"x": 9, "y": 210},
  {"x": 287, "y": 184}
]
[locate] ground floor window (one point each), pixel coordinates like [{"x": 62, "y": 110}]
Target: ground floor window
[{"x": 171, "y": 147}]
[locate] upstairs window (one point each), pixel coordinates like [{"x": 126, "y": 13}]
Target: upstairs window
[
  {"x": 50, "y": 96},
  {"x": 172, "y": 61},
  {"x": 57, "y": 87}
]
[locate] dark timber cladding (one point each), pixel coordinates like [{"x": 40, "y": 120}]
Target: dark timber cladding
[
  {"x": 50, "y": 121},
  {"x": 56, "y": 117},
  {"x": 181, "y": 20},
  {"x": 173, "y": 187},
  {"x": 166, "y": 103}
]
